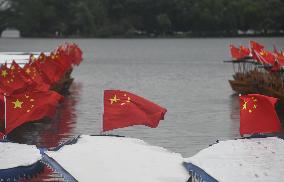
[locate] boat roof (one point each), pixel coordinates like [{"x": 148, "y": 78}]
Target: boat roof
[
  {"x": 248, "y": 159},
  {"x": 20, "y": 57}
]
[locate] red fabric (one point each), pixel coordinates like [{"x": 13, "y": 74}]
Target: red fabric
[
  {"x": 75, "y": 53},
  {"x": 244, "y": 51},
  {"x": 12, "y": 81},
  {"x": 235, "y": 52},
  {"x": 52, "y": 70},
  {"x": 2, "y": 136},
  {"x": 37, "y": 76},
  {"x": 257, "y": 114},
  {"x": 255, "y": 47},
  {"x": 264, "y": 57},
  {"x": 29, "y": 106},
  {"x": 129, "y": 110},
  {"x": 62, "y": 59}
]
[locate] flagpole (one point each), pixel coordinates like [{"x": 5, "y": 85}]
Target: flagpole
[
  {"x": 5, "y": 113},
  {"x": 102, "y": 115}
]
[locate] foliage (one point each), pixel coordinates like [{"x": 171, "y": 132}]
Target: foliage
[{"x": 108, "y": 18}]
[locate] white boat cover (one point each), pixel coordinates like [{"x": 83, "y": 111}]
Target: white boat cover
[
  {"x": 254, "y": 159},
  {"x": 15, "y": 155},
  {"x": 105, "y": 158}
]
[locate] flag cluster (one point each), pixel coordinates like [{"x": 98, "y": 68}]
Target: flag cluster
[
  {"x": 25, "y": 92},
  {"x": 272, "y": 60}
]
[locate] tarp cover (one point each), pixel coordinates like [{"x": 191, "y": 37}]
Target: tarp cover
[
  {"x": 254, "y": 159},
  {"x": 14, "y": 155},
  {"x": 105, "y": 158}
]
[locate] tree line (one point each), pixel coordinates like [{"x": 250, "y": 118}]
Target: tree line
[{"x": 132, "y": 18}]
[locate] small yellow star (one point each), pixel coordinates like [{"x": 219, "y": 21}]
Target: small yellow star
[
  {"x": 12, "y": 67},
  {"x": 114, "y": 99},
  {"x": 28, "y": 71},
  {"x": 17, "y": 104},
  {"x": 4, "y": 73},
  {"x": 128, "y": 99}
]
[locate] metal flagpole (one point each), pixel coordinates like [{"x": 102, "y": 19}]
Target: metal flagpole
[
  {"x": 5, "y": 114},
  {"x": 102, "y": 111}
]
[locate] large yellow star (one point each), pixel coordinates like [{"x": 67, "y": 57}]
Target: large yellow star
[
  {"x": 4, "y": 73},
  {"x": 17, "y": 104},
  {"x": 245, "y": 105},
  {"x": 114, "y": 99}
]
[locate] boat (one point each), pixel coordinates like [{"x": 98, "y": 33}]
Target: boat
[
  {"x": 257, "y": 71},
  {"x": 255, "y": 158},
  {"x": 33, "y": 73}
]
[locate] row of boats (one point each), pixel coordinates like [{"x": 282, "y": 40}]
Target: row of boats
[{"x": 257, "y": 70}]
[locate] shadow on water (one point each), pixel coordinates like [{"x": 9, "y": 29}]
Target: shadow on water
[{"x": 49, "y": 133}]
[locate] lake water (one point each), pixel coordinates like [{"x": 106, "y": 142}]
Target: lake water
[{"x": 186, "y": 76}]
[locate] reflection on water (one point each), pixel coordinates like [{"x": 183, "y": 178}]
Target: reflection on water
[{"x": 50, "y": 133}]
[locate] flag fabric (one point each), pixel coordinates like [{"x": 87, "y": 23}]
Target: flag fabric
[
  {"x": 27, "y": 89},
  {"x": 52, "y": 69},
  {"x": 266, "y": 57},
  {"x": 258, "y": 115},
  {"x": 12, "y": 81},
  {"x": 245, "y": 52},
  {"x": 37, "y": 76},
  {"x": 1, "y": 135},
  {"x": 123, "y": 109},
  {"x": 235, "y": 52},
  {"x": 75, "y": 54},
  {"x": 29, "y": 106},
  {"x": 256, "y": 47}
]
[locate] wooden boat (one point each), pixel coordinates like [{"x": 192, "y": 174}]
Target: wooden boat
[{"x": 241, "y": 86}]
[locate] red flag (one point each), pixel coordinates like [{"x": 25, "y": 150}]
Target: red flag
[
  {"x": 1, "y": 136},
  {"x": 52, "y": 70},
  {"x": 37, "y": 76},
  {"x": 265, "y": 56},
  {"x": 256, "y": 46},
  {"x": 235, "y": 52},
  {"x": 13, "y": 81},
  {"x": 245, "y": 52},
  {"x": 75, "y": 53},
  {"x": 257, "y": 114},
  {"x": 29, "y": 106},
  {"x": 123, "y": 109}
]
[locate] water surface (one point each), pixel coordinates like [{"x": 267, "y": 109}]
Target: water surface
[{"x": 186, "y": 76}]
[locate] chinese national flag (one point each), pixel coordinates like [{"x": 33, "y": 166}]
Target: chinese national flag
[
  {"x": 244, "y": 51},
  {"x": 50, "y": 68},
  {"x": 12, "y": 81},
  {"x": 256, "y": 46},
  {"x": 257, "y": 114},
  {"x": 37, "y": 76},
  {"x": 75, "y": 53},
  {"x": 235, "y": 52},
  {"x": 123, "y": 109},
  {"x": 29, "y": 106}
]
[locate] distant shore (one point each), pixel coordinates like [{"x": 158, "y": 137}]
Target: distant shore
[{"x": 155, "y": 36}]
